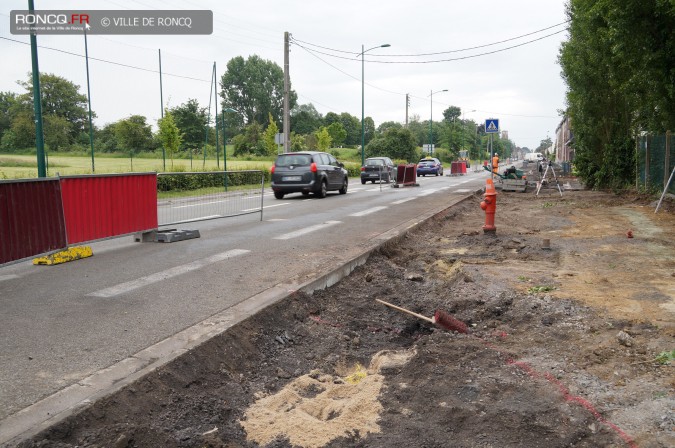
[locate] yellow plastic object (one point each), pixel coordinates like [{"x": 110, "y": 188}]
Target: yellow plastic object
[
  {"x": 70, "y": 254},
  {"x": 356, "y": 377}
]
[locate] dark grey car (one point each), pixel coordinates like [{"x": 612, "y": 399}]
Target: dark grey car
[
  {"x": 378, "y": 168},
  {"x": 308, "y": 172}
]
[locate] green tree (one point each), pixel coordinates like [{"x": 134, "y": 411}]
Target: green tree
[
  {"x": 388, "y": 125},
  {"x": 191, "y": 120},
  {"x": 305, "y": 119},
  {"x": 353, "y": 127},
  {"x": 250, "y": 142},
  {"x": 56, "y": 132},
  {"x": 619, "y": 66},
  {"x": 337, "y": 133},
  {"x": 61, "y": 98},
  {"x": 452, "y": 113},
  {"x": 394, "y": 143},
  {"x": 298, "y": 142},
  {"x": 169, "y": 134},
  {"x": 8, "y": 104},
  {"x": 133, "y": 134},
  {"x": 323, "y": 139},
  {"x": 269, "y": 136},
  {"x": 105, "y": 139},
  {"x": 255, "y": 87}
]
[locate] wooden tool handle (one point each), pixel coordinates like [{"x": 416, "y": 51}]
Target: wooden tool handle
[{"x": 419, "y": 316}]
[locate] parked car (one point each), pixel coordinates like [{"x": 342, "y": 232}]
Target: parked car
[
  {"x": 378, "y": 168},
  {"x": 308, "y": 172},
  {"x": 429, "y": 165}
]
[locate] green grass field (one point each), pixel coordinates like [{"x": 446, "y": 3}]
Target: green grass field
[{"x": 25, "y": 166}]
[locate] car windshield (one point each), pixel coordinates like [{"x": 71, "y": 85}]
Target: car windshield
[
  {"x": 293, "y": 159},
  {"x": 375, "y": 162},
  {"x": 427, "y": 162}
]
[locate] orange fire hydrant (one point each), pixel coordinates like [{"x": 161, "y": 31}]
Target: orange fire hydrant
[{"x": 489, "y": 204}]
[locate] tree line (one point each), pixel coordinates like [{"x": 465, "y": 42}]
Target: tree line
[
  {"x": 619, "y": 67},
  {"x": 249, "y": 117}
]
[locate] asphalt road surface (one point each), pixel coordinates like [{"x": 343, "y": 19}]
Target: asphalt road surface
[{"x": 60, "y": 324}]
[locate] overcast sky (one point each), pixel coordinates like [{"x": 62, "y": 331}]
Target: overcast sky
[{"x": 520, "y": 86}]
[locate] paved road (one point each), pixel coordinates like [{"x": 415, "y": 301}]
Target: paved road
[{"x": 60, "y": 324}]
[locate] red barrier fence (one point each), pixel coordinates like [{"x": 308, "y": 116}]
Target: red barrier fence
[
  {"x": 44, "y": 215},
  {"x": 31, "y": 218},
  {"x": 406, "y": 174},
  {"x": 103, "y": 206}
]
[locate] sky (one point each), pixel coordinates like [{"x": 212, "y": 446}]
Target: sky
[{"x": 521, "y": 86}]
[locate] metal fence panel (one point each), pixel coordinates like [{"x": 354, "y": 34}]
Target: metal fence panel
[
  {"x": 31, "y": 219},
  {"x": 655, "y": 161},
  {"x": 200, "y": 196},
  {"x": 108, "y": 205}
]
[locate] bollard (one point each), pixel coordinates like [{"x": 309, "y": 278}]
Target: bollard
[{"x": 489, "y": 204}]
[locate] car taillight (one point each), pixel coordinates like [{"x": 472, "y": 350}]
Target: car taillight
[
  {"x": 313, "y": 167},
  {"x": 272, "y": 169},
  {"x": 363, "y": 168}
]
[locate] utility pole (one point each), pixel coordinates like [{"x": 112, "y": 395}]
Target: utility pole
[
  {"x": 287, "y": 93},
  {"x": 407, "y": 104}
]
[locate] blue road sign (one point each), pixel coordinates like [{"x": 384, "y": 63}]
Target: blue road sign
[{"x": 492, "y": 125}]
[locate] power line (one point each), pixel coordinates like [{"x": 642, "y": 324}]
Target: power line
[
  {"x": 439, "y": 52},
  {"x": 106, "y": 61},
  {"x": 441, "y": 60}
]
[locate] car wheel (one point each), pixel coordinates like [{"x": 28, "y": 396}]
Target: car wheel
[
  {"x": 343, "y": 190},
  {"x": 278, "y": 195},
  {"x": 322, "y": 191},
  {"x": 363, "y": 182},
  {"x": 436, "y": 173},
  {"x": 305, "y": 193}
]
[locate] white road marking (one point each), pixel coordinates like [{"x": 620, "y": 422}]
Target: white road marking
[
  {"x": 123, "y": 288},
  {"x": 8, "y": 277},
  {"x": 199, "y": 204},
  {"x": 369, "y": 211},
  {"x": 401, "y": 201},
  {"x": 427, "y": 193},
  {"x": 307, "y": 230},
  {"x": 276, "y": 219},
  {"x": 463, "y": 190},
  {"x": 267, "y": 206}
]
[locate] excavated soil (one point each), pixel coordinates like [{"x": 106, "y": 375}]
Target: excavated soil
[{"x": 562, "y": 350}]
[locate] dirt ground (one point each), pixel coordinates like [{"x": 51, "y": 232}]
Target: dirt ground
[{"x": 562, "y": 350}]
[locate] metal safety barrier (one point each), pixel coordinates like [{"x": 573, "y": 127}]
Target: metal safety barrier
[{"x": 200, "y": 196}]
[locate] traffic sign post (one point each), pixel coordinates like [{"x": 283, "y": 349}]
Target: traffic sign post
[{"x": 491, "y": 127}]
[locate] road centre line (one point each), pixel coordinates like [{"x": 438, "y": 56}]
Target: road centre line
[
  {"x": 307, "y": 230},
  {"x": 123, "y": 288},
  {"x": 401, "y": 201},
  {"x": 463, "y": 190},
  {"x": 8, "y": 277},
  {"x": 427, "y": 193},
  {"x": 369, "y": 211}
]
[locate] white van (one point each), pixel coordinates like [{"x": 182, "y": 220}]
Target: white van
[{"x": 534, "y": 157}]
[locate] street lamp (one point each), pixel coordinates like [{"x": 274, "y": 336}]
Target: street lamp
[
  {"x": 431, "y": 120},
  {"x": 363, "y": 128}
]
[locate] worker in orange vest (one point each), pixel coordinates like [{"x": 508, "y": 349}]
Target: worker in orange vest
[{"x": 495, "y": 163}]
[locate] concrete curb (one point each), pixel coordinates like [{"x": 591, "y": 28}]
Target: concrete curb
[{"x": 53, "y": 409}]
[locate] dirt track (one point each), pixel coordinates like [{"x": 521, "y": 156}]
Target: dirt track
[{"x": 561, "y": 350}]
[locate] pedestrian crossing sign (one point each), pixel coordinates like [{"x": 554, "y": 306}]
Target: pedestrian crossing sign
[{"x": 492, "y": 125}]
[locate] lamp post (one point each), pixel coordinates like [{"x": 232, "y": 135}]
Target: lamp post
[
  {"x": 431, "y": 120},
  {"x": 363, "y": 128}
]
